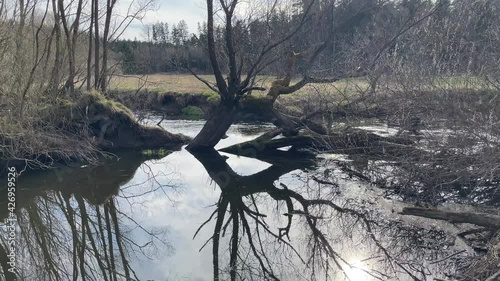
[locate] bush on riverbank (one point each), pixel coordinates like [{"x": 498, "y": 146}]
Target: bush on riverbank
[{"x": 192, "y": 112}]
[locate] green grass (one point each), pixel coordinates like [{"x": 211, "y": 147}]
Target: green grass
[
  {"x": 212, "y": 97},
  {"x": 192, "y": 111}
]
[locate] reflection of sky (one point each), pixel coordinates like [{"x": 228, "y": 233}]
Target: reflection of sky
[
  {"x": 187, "y": 206},
  {"x": 188, "y": 198}
]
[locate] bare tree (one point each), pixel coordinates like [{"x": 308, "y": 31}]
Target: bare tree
[
  {"x": 234, "y": 88},
  {"x": 71, "y": 32}
]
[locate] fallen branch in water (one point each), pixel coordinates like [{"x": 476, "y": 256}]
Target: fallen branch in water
[
  {"x": 481, "y": 219},
  {"x": 357, "y": 140},
  {"x": 254, "y": 146}
]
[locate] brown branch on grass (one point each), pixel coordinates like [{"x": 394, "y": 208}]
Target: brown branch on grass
[{"x": 494, "y": 277}]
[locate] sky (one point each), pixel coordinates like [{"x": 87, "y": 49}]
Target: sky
[{"x": 170, "y": 11}]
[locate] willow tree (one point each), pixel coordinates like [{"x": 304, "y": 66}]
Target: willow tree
[
  {"x": 235, "y": 68},
  {"x": 236, "y": 85}
]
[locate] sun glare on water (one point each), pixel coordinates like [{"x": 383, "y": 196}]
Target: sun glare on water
[{"x": 358, "y": 271}]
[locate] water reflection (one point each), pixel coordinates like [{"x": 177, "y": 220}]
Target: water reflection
[
  {"x": 238, "y": 198},
  {"x": 69, "y": 225},
  {"x": 282, "y": 216},
  {"x": 302, "y": 230}
]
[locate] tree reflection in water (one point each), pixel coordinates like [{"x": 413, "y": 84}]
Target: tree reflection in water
[
  {"x": 264, "y": 227},
  {"x": 258, "y": 251},
  {"x": 70, "y": 227}
]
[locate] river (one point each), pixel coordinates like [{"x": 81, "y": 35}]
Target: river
[{"x": 136, "y": 216}]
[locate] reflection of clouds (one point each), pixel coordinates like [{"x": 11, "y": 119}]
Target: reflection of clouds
[
  {"x": 176, "y": 194},
  {"x": 181, "y": 220},
  {"x": 245, "y": 166},
  {"x": 186, "y": 208},
  {"x": 414, "y": 247}
]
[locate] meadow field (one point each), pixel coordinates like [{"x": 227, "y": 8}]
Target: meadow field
[{"x": 188, "y": 84}]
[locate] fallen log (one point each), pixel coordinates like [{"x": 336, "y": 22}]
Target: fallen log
[
  {"x": 481, "y": 219},
  {"x": 356, "y": 140},
  {"x": 256, "y": 145}
]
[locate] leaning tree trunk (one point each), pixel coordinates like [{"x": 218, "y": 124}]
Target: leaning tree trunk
[{"x": 216, "y": 127}]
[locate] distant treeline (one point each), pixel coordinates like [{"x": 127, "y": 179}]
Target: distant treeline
[
  {"x": 452, "y": 40},
  {"x": 166, "y": 49}
]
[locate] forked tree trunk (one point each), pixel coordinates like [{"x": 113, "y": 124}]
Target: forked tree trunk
[{"x": 215, "y": 128}]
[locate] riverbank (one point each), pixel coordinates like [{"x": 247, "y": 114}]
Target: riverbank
[
  {"x": 184, "y": 96},
  {"x": 198, "y": 106},
  {"x": 172, "y": 104},
  {"x": 82, "y": 129},
  {"x": 151, "y": 188}
]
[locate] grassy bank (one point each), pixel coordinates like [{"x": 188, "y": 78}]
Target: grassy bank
[{"x": 81, "y": 128}]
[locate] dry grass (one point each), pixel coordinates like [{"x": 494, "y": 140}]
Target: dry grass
[
  {"x": 175, "y": 83},
  {"x": 188, "y": 84}
]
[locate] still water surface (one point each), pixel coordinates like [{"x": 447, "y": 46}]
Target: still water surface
[{"x": 136, "y": 216}]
